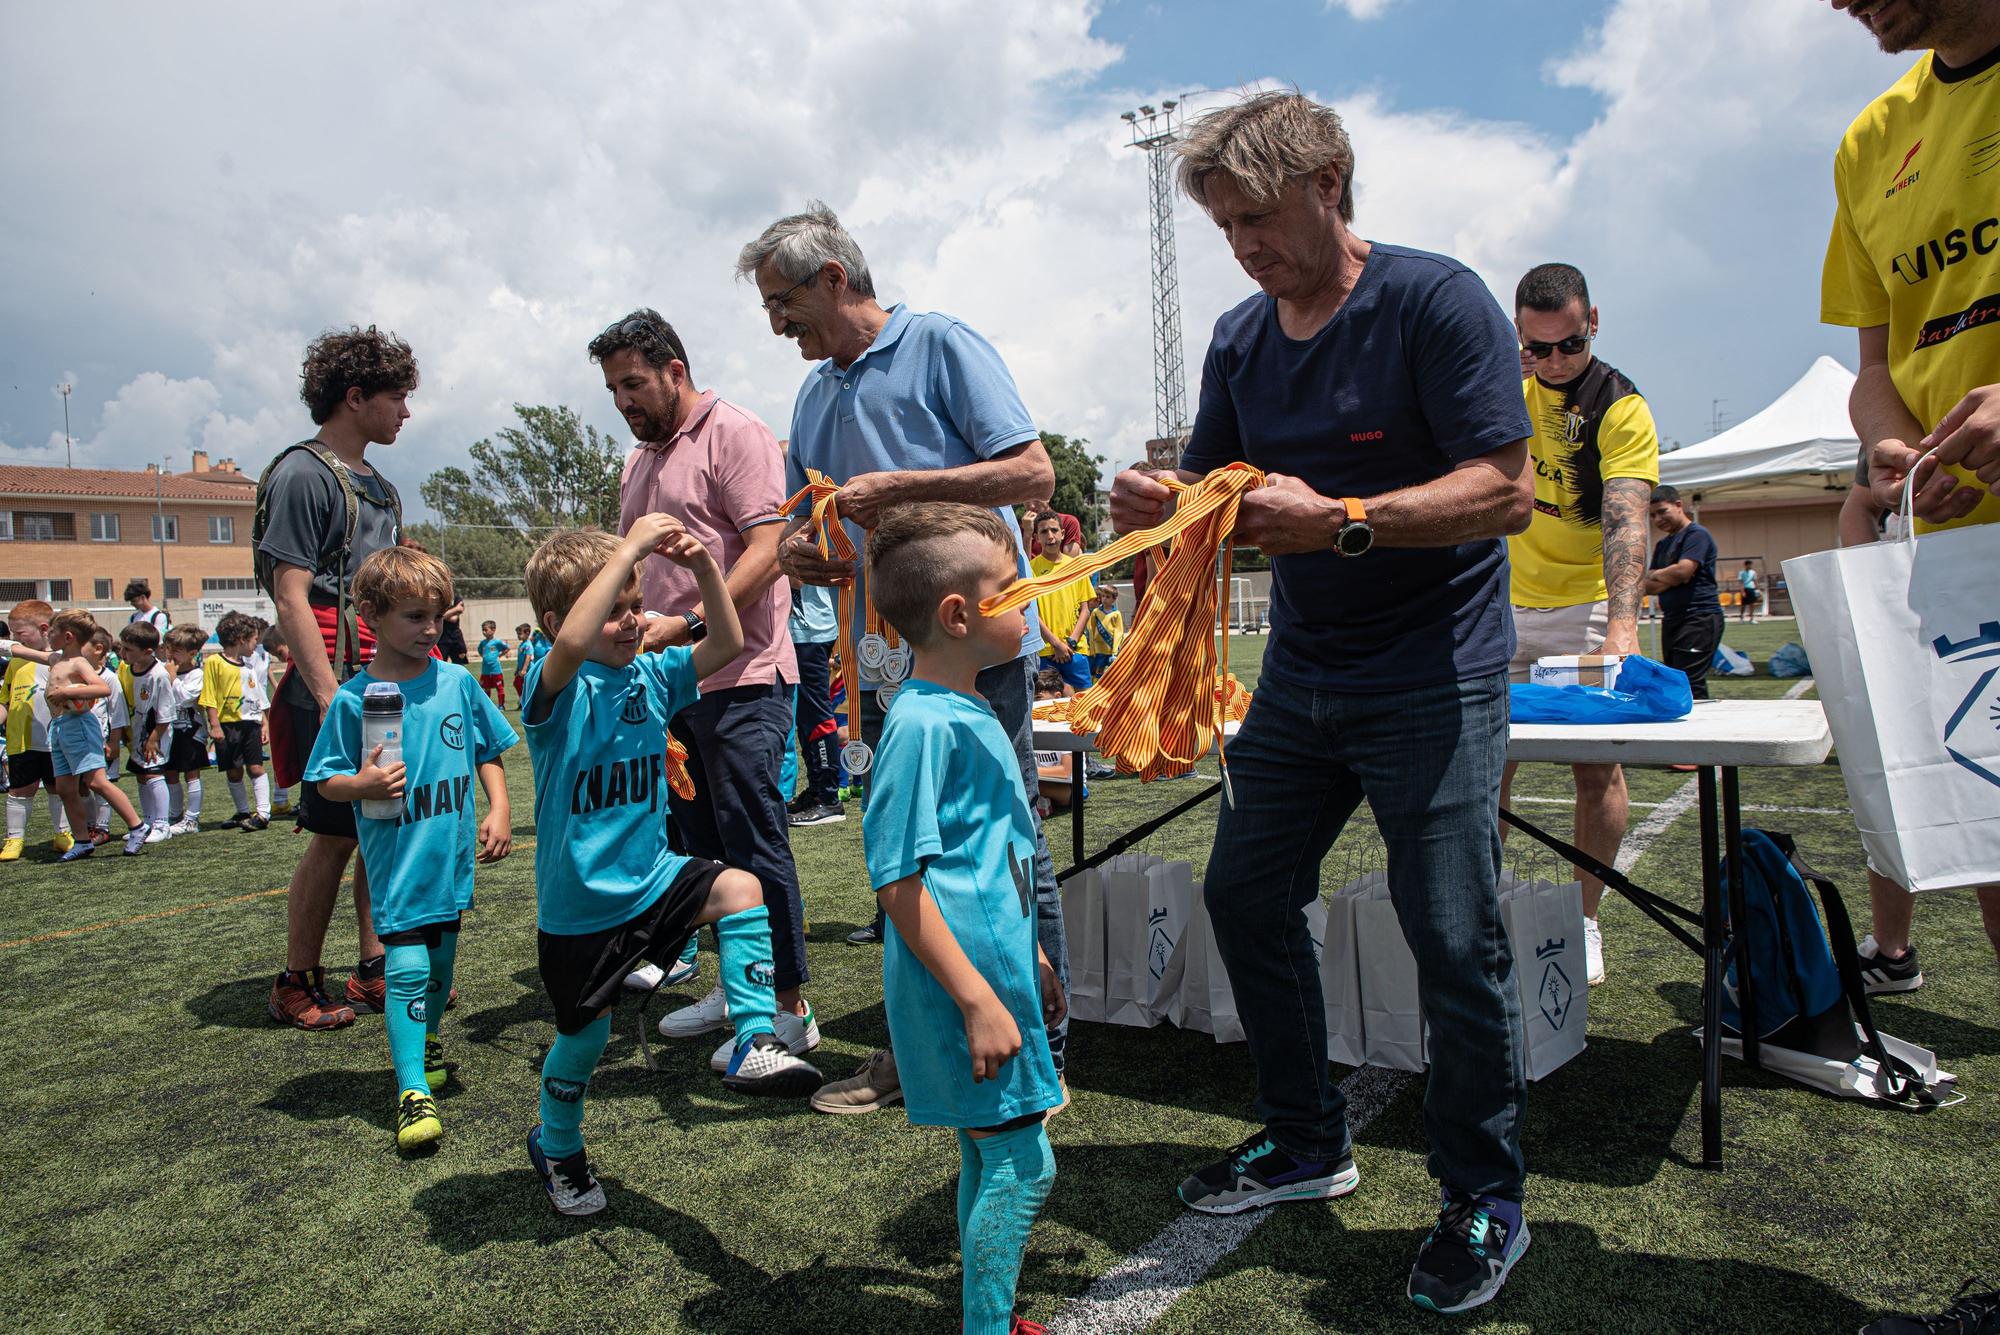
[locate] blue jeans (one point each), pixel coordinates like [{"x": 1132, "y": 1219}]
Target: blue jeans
[
  {"x": 1008, "y": 688},
  {"x": 1428, "y": 762}
]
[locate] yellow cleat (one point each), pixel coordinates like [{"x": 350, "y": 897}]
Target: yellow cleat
[
  {"x": 417, "y": 1122},
  {"x": 63, "y": 841},
  {"x": 11, "y": 850}
]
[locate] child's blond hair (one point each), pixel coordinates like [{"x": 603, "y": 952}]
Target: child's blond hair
[
  {"x": 402, "y": 574},
  {"x": 563, "y": 566},
  {"x": 75, "y": 622}
]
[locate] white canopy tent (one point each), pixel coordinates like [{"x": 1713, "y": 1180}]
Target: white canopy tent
[{"x": 1799, "y": 447}]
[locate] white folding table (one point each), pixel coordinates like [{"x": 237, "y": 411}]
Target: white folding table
[{"x": 1719, "y": 737}]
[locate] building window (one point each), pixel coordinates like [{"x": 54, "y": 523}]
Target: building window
[
  {"x": 230, "y": 584},
  {"x": 101, "y": 591},
  {"x": 222, "y": 528},
  {"x": 7, "y": 528},
  {"x": 103, "y": 528},
  {"x": 173, "y": 588},
  {"x": 58, "y": 590},
  {"x": 166, "y": 528},
  {"x": 18, "y": 591},
  {"x": 44, "y": 526}
]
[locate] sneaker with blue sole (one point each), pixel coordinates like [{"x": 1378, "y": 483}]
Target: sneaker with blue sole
[
  {"x": 1257, "y": 1173},
  {"x": 573, "y": 1189},
  {"x": 1469, "y": 1253}
]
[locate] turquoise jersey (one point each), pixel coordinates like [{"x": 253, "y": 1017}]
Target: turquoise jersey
[
  {"x": 600, "y": 751},
  {"x": 945, "y": 801},
  {"x": 489, "y": 656},
  {"x": 420, "y": 866}
]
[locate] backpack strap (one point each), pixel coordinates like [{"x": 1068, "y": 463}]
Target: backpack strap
[
  {"x": 347, "y": 634},
  {"x": 1900, "y": 1082},
  {"x": 1660, "y": 910}
]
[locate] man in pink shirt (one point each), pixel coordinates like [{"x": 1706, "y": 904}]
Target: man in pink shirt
[{"x": 719, "y": 470}]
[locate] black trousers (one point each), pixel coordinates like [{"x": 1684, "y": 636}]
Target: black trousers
[
  {"x": 815, "y": 710},
  {"x": 1689, "y": 644}
]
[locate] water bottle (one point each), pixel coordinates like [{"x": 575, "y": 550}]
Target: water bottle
[{"x": 382, "y": 725}]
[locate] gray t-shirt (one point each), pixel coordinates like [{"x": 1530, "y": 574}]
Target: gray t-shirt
[{"x": 307, "y": 520}]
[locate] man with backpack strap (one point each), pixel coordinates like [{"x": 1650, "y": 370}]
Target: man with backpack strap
[{"x": 321, "y": 511}]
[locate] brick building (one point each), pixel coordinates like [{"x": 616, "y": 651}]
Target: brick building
[{"x": 74, "y": 536}]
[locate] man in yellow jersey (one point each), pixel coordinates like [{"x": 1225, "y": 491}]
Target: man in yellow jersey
[
  {"x": 1914, "y": 265},
  {"x": 1576, "y": 571}
]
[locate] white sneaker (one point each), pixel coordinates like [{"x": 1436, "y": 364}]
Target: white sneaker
[
  {"x": 1593, "y": 951},
  {"x": 137, "y": 838},
  {"x": 799, "y": 1034},
  {"x": 159, "y": 834},
  {"x": 764, "y": 1067},
  {"x": 645, "y": 978},
  {"x": 704, "y": 1017},
  {"x": 185, "y": 825},
  {"x": 573, "y": 1189}
]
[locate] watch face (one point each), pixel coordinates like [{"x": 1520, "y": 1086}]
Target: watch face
[{"x": 1354, "y": 539}]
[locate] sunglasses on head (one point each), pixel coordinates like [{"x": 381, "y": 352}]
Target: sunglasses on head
[
  {"x": 1569, "y": 347},
  {"x": 639, "y": 325}
]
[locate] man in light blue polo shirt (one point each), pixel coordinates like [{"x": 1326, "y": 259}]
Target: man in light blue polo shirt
[{"x": 902, "y": 406}]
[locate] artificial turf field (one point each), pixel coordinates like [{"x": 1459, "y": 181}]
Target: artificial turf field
[{"x": 176, "y": 1161}]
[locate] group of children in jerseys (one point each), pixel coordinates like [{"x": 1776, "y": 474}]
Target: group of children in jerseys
[
  {"x": 949, "y": 833},
  {"x": 74, "y": 699}
]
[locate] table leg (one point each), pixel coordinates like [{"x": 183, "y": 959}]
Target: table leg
[
  {"x": 1739, "y": 921},
  {"x": 1713, "y": 949},
  {"x": 1076, "y": 806}
]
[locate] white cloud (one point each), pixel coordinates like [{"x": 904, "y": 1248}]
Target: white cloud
[
  {"x": 1361, "y": 10},
  {"x": 496, "y": 190}
]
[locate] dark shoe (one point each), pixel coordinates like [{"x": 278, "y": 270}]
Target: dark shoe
[
  {"x": 865, "y": 936},
  {"x": 827, "y": 813},
  {"x": 1257, "y": 1173},
  {"x": 1884, "y": 973},
  {"x": 368, "y": 988},
  {"x": 1970, "y": 1313},
  {"x": 235, "y": 822},
  {"x": 300, "y": 1000},
  {"x": 1468, "y": 1254},
  {"x": 255, "y": 823}
]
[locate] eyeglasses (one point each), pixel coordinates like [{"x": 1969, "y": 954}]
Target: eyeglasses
[
  {"x": 1569, "y": 347},
  {"x": 776, "y": 305}
]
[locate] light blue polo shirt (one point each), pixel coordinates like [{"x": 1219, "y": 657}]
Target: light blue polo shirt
[
  {"x": 420, "y": 866},
  {"x": 929, "y": 393},
  {"x": 815, "y": 617},
  {"x": 945, "y": 802},
  {"x": 599, "y": 749}
]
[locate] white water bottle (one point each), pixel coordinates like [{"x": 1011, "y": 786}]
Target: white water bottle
[{"x": 382, "y": 725}]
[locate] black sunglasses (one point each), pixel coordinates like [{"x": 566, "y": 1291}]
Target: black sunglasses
[{"x": 1569, "y": 347}]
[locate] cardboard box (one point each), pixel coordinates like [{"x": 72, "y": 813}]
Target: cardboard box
[{"x": 1577, "y": 670}]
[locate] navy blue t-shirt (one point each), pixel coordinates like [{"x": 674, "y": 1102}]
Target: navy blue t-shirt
[
  {"x": 1417, "y": 372},
  {"x": 1692, "y": 543}
]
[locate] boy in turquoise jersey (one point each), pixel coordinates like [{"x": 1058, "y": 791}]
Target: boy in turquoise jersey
[
  {"x": 522, "y": 633},
  {"x": 610, "y": 892},
  {"x": 491, "y": 647},
  {"x": 420, "y": 864},
  {"x": 950, "y": 840}
]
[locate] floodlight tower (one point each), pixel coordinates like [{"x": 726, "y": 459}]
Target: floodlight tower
[{"x": 1154, "y": 130}]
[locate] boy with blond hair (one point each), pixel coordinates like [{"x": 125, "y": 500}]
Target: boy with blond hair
[
  {"x": 76, "y": 735},
  {"x": 950, "y": 840},
  {"x": 420, "y": 863},
  {"x": 233, "y": 700},
  {"x": 152, "y": 722},
  {"x": 187, "y": 750},
  {"x": 610, "y": 892},
  {"x": 29, "y": 764}
]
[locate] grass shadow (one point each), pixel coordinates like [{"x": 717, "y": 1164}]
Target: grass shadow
[
  {"x": 241, "y": 1004},
  {"x": 325, "y": 1096}
]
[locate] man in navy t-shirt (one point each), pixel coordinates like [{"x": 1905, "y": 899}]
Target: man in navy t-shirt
[
  {"x": 1379, "y": 388},
  {"x": 1682, "y": 576}
]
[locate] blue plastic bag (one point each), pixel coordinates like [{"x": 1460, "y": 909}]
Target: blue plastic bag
[
  {"x": 1648, "y": 692},
  {"x": 1789, "y": 660}
]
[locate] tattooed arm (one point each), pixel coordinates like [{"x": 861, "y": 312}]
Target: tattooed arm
[{"x": 1625, "y": 500}]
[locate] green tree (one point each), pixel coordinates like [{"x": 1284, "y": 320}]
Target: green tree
[
  {"x": 551, "y": 471},
  {"x": 1077, "y": 482}
]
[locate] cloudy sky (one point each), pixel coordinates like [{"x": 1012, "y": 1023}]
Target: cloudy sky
[{"x": 194, "y": 189}]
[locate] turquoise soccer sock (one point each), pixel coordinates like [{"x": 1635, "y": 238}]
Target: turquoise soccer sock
[
  {"x": 443, "y": 960},
  {"x": 744, "y": 942},
  {"x": 1016, "y": 1169},
  {"x": 565, "y": 1077},
  {"x": 406, "y": 970},
  {"x": 689, "y": 950},
  {"x": 968, "y": 1180}
]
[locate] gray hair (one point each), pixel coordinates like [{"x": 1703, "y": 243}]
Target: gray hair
[
  {"x": 802, "y": 243},
  {"x": 1262, "y": 144}
]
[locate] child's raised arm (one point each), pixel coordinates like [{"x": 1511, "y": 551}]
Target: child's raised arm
[
  {"x": 586, "y": 618},
  {"x": 724, "y": 641}
]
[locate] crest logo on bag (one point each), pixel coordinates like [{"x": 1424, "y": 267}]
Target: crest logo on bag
[
  {"x": 1967, "y": 717},
  {"x": 1160, "y": 945},
  {"x": 1556, "y": 993}
]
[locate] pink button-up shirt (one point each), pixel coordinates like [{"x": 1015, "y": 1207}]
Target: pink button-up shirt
[{"x": 722, "y": 475}]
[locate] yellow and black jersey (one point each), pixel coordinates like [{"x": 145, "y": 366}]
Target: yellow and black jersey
[{"x": 1916, "y": 237}]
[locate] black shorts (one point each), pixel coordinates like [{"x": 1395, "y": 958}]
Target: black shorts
[
  {"x": 186, "y": 754},
  {"x": 430, "y": 935},
  {"x": 317, "y": 814},
  {"x": 241, "y": 744},
  {"x": 27, "y": 768},
  {"x": 584, "y": 975}
]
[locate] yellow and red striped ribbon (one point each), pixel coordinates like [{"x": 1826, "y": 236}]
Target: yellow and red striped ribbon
[
  {"x": 678, "y": 777},
  {"x": 1158, "y": 709},
  {"x": 831, "y": 535}
]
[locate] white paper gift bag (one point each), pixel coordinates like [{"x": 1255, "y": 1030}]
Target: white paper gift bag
[
  {"x": 1129, "y": 982},
  {"x": 1169, "y": 901},
  {"x": 1203, "y": 1001},
  {"x": 1544, "y": 922},
  {"x": 1340, "y": 974},
  {"x": 1083, "y": 929},
  {"x": 1392, "y": 1017},
  {"x": 1904, "y": 640}
]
